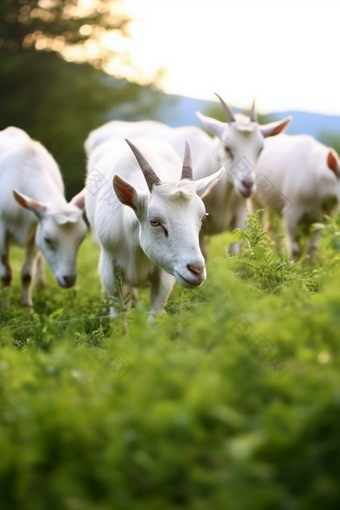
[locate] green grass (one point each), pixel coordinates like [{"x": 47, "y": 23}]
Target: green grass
[{"x": 231, "y": 400}]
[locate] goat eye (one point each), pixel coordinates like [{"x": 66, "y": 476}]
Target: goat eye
[
  {"x": 229, "y": 151},
  {"x": 49, "y": 242},
  {"x": 155, "y": 222}
]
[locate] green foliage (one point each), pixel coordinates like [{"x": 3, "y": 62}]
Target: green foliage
[
  {"x": 59, "y": 25},
  {"x": 193, "y": 412},
  {"x": 61, "y": 102},
  {"x": 267, "y": 269}
]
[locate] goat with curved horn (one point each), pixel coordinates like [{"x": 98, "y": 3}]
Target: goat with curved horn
[
  {"x": 253, "y": 114},
  {"x": 150, "y": 176},
  {"x": 187, "y": 164},
  {"x": 152, "y": 238},
  {"x": 229, "y": 113}
]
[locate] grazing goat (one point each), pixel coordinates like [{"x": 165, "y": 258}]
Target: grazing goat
[
  {"x": 240, "y": 141},
  {"x": 300, "y": 179},
  {"x": 34, "y": 213},
  {"x": 148, "y": 224}
]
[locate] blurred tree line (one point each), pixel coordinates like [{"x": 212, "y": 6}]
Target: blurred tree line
[
  {"x": 218, "y": 113},
  {"x": 57, "y": 101},
  {"x": 331, "y": 140}
]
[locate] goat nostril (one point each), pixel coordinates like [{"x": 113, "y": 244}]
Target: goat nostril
[
  {"x": 247, "y": 184},
  {"x": 196, "y": 270},
  {"x": 70, "y": 280}
]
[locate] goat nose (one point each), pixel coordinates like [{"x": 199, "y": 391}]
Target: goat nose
[
  {"x": 247, "y": 184},
  {"x": 70, "y": 280},
  {"x": 196, "y": 269}
]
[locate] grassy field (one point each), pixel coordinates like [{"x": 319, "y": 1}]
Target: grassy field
[{"x": 231, "y": 400}]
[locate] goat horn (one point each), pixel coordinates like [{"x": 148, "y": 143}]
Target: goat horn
[
  {"x": 150, "y": 176},
  {"x": 253, "y": 115},
  {"x": 229, "y": 113},
  {"x": 187, "y": 164}
]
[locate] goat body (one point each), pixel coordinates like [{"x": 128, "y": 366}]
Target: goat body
[
  {"x": 303, "y": 175},
  {"x": 34, "y": 213},
  {"x": 147, "y": 229}
]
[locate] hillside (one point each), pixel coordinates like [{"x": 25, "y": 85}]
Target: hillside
[{"x": 181, "y": 111}]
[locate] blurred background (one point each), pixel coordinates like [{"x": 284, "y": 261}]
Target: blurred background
[{"x": 68, "y": 66}]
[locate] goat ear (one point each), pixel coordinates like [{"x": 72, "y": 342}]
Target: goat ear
[
  {"x": 125, "y": 193},
  {"x": 333, "y": 163},
  {"x": 79, "y": 200},
  {"x": 39, "y": 208},
  {"x": 275, "y": 128},
  {"x": 203, "y": 186},
  {"x": 213, "y": 125}
]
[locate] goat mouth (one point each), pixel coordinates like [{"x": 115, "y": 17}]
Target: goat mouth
[
  {"x": 246, "y": 193},
  {"x": 190, "y": 284},
  {"x": 65, "y": 285}
]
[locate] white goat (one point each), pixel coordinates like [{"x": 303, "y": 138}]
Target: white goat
[
  {"x": 34, "y": 213},
  {"x": 148, "y": 227},
  {"x": 238, "y": 145},
  {"x": 300, "y": 180}
]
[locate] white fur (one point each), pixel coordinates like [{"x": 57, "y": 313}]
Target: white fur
[
  {"x": 226, "y": 204},
  {"x": 33, "y": 208},
  {"x": 144, "y": 253},
  {"x": 297, "y": 167}
]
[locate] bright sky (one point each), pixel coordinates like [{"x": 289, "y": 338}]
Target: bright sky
[{"x": 284, "y": 52}]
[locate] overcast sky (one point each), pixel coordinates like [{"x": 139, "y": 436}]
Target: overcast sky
[{"x": 284, "y": 52}]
